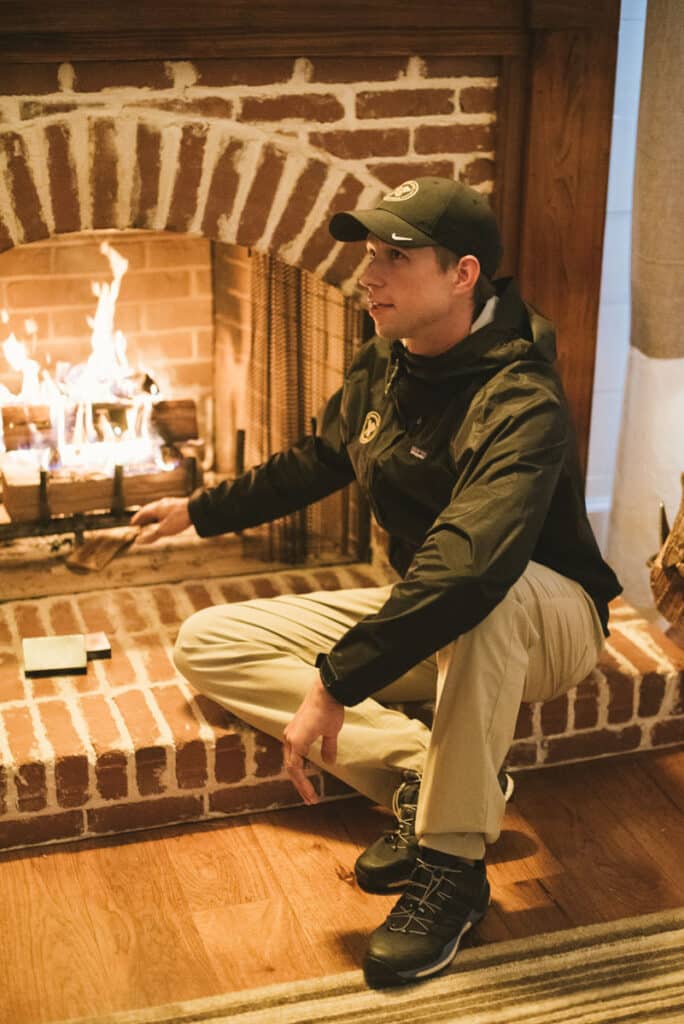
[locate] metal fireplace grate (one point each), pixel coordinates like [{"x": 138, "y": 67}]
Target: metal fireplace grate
[{"x": 304, "y": 334}]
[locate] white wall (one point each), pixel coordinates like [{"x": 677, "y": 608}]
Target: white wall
[{"x": 614, "y": 306}]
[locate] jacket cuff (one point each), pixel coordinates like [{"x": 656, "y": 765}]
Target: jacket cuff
[
  {"x": 332, "y": 683},
  {"x": 199, "y": 510}
]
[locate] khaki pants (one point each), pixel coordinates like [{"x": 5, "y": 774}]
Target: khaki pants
[{"x": 256, "y": 658}]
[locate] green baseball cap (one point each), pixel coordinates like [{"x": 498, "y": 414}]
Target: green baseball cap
[{"x": 428, "y": 211}]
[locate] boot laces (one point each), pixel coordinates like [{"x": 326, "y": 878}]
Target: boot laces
[
  {"x": 429, "y": 891},
  {"x": 405, "y": 812}
]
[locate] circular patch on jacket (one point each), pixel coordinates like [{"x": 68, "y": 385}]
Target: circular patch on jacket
[
  {"x": 401, "y": 193},
  {"x": 370, "y": 427}
]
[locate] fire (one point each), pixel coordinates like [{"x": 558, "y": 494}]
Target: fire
[
  {"x": 17, "y": 357},
  {"x": 100, "y": 411}
]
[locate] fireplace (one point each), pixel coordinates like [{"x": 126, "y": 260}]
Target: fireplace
[
  {"x": 96, "y": 410},
  {"x": 213, "y": 177},
  {"x": 137, "y": 362}
]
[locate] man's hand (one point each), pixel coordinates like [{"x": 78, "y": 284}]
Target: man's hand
[
  {"x": 319, "y": 714},
  {"x": 170, "y": 515}
]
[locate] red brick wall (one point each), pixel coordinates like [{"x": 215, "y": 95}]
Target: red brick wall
[
  {"x": 258, "y": 153},
  {"x": 164, "y": 306}
]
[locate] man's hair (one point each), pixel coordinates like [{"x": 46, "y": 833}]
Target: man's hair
[{"x": 483, "y": 289}]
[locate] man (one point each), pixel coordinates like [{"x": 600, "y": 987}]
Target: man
[{"x": 454, "y": 422}]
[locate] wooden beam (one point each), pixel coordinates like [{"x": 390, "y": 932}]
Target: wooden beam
[
  {"x": 173, "y": 29},
  {"x": 564, "y": 199},
  {"x": 188, "y": 44},
  {"x": 245, "y": 17},
  {"x": 566, "y": 14},
  {"x": 510, "y": 156}
]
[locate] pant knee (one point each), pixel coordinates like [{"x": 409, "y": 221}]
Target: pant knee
[
  {"x": 194, "y": 640},
  {"x": 211, "y": 642},
  {"x": 180, "y": 658}
]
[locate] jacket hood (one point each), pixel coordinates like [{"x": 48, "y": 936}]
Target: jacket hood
[{"x": 517, "y": 332}]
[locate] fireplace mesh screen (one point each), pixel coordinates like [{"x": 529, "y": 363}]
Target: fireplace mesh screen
[{"x": 304, "y": 334}]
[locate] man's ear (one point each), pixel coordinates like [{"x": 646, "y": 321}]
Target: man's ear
[{"x": 467, "y": 271}]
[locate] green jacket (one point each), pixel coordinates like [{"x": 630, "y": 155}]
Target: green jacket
[{"x": 468, "y": 460}]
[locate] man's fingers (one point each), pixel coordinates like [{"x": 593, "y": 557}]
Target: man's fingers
[
  {"x": 329, "y": 749},
  {"x": 293, "y": 758},
  {"x": 148, "y": 536},
  {"x": 294, "y": 762},
  {"x": 146, "y": 514},
  {"x": 303, "y": 785}
]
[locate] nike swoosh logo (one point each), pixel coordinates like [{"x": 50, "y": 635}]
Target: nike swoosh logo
[{"x": 400, "y": 238}]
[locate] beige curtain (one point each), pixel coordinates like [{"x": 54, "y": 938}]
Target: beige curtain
[{"x": 651, "y": 450}]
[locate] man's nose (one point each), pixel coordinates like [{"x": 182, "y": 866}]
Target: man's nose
[{"x": 371, "y": 277}]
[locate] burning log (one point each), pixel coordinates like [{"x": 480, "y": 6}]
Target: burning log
[
  {"x": 25, "y": 425},
  {"x": 31, "y": 499},
  {"x": 175, "y": 420},
  {"x": 28, "y": 426}
]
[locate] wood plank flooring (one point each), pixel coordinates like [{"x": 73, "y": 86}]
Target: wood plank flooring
[{"x": 188, "y": 912}]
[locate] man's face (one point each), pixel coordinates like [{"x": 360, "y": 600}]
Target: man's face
[{"x": 409, "y": 295}]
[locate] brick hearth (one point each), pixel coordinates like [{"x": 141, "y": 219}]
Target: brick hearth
[{"x": 131, "y": 746}]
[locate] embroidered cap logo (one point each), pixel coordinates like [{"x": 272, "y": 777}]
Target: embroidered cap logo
[
  {"x": 370, "y": 427},
  {"x": 402, "y": 192}
]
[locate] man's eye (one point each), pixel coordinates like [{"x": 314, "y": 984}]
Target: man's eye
[{"x": 397, "y": 254}]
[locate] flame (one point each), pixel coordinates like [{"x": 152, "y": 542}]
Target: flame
[
  {"x": 17, "y": 356},
  {"x": 86, "y": 439}
]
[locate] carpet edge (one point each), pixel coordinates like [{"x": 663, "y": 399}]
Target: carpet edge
[{"x": 349, "y": 983}]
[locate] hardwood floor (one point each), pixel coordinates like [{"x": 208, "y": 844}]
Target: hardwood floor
[{"x": 195, "y": 911}]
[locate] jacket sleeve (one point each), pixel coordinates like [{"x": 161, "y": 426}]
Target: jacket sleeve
[
  {"x": 309, "y": 470},
  {"x": 508, "y": 455}
]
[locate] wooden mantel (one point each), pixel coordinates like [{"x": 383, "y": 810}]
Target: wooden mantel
[
  {"x": 173, "y": 29},
  {"x": 554, "y": 117}
]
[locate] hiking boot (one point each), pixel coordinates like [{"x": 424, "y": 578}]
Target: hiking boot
[
  {"x": 388, "y": 863},
  {"x": 386, "y": 866},
  {"x": 444, "y": 898}
]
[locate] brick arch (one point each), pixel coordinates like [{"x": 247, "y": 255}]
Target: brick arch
[{"x": 184, "y": 175}]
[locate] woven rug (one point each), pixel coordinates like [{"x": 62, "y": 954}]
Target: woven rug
[{"x": 626, "y": 971}]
